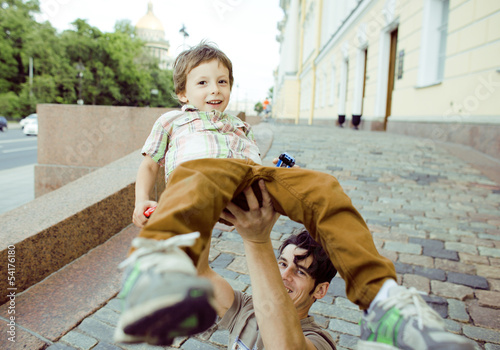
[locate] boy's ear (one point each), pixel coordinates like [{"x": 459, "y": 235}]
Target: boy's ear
[{"x": 182, "y": 97}]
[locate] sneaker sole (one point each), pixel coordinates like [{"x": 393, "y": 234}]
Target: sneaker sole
[
  {"x": 173, "y": 317},
  {"x": 370, "y": 345}
]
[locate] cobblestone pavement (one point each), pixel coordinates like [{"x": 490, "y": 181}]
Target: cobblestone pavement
[{"x": 436, "y": 217}]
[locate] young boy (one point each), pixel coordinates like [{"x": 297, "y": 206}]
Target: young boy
[
  {"x": 164, "y": 298},
  {"x": 203, "y": 78}
]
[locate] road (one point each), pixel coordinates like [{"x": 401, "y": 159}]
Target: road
[
  {"x": 17, "y": 149},
  {"x": 18, "y": 156}
]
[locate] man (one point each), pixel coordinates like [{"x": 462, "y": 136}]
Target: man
[{"x": 276, "y": 316}]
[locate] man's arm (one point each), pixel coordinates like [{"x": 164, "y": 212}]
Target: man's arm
[
  {"x": 146, "y": 179},
  {"x": 223, "y": 292},
  {"x": 279, "y": 323}
]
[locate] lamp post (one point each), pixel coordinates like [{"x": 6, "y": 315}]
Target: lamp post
[
  {"x": 80, "y": 67},
  {"x": 185, "y": 34}
]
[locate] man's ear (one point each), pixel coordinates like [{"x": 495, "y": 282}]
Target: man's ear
[{"x": 321, "y": 290}]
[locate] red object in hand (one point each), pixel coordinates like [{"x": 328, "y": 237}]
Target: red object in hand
[{"x": 149, "y": 211}]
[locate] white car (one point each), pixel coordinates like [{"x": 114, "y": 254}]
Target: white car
[
  {"x": 31, "y": 127},
  {"x": 26, "y": 120}
]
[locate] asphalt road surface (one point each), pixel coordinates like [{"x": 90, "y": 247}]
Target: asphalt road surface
[
  {"x": 18, "y": 156},
  {"x": 17, "y": 149}
]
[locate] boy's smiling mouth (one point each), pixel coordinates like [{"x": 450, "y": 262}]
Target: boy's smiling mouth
[{"x": 214, "y": 102}]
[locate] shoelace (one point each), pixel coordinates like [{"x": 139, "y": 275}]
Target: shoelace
[
  {"x": 404, "y": 300},
  {"x": 147, "y": 246}
]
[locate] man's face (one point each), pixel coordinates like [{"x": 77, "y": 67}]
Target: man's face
[
  {"x": 207, "y": 87},
  {"x": 298, "y": 282}
]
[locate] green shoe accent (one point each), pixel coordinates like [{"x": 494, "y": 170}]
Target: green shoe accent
[
  {"x": 387, "y": 328},
  {"x": 190, "y": 322},
  {"x": 196, "y": 293},
  {"x": 132, "y": 277}
]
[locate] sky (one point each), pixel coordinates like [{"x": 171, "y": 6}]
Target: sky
[{"x": 245, "y": 30}]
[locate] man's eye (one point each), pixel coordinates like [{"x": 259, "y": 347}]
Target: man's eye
[
  {"x": 281, "y": 264},
  {"x": 302, "y": 273}
]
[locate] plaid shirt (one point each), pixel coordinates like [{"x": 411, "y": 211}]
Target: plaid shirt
[{"x": 179, "y": 136}]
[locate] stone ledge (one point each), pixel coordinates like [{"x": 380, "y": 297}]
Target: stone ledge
[
  {"x": 59, "y": 227},
  {"x": 53, "y": 307}
]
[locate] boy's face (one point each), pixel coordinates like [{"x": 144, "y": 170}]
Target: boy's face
[{"x": 207, "y": 87}]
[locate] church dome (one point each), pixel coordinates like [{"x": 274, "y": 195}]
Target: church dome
[{"x": 150, "y": 21}]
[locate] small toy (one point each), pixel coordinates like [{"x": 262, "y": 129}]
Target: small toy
[
  {"x": 149, "y": 211},
  {"x": 285, "y": 161}
]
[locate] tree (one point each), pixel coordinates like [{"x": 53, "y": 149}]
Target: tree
[
  {"x": 15, "y": 24},
  {"x": 105, "y": 68},
  {"x": 270, "y": 93},
  {"x": 258, "y": 108}
]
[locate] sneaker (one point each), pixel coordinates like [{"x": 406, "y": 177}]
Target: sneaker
[
  {"x": 405, "y": 321},
  {"x": 162, "y": 296}
]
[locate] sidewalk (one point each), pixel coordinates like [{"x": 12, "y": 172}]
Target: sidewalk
[{"x": 436, "y": 216}]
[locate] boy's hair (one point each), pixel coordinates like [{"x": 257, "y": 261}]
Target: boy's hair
[
  {"x": 321, "y": 269},
  {"x": 193, "y": 57}
]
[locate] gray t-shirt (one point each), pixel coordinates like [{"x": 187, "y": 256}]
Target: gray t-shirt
[{"x": 244, "y": 332}]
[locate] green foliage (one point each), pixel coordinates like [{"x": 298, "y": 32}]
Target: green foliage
[
  {"x": 101, "y": 68},
  {"x": 270, "y": 93},
  {"x": 258, "y": 108},
  {"x": 9, "y": 105}
]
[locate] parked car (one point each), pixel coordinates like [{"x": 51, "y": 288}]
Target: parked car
[
  {"x": 3, "y": 123},
  {"x": 26, "y": 120},
  {"x": 31, "y": 127}
]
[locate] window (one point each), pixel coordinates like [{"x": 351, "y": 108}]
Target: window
[
  {"x": 332, "y": 86},
  {"x": 443, "y": 35},
  {"x": 433, "y": 46}
]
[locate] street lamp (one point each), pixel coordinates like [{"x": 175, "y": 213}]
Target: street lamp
[
  {"x": 185, "y": 34},
  {"x": 80, "y": 67}
]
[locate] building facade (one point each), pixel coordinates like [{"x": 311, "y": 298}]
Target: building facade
[
  {"x": 150, "y": 29},
  {"x": 422, "y": 67}
]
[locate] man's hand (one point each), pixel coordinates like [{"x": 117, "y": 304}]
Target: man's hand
[
  {"x": 256, "y": 224},
  {"x": 138, "y": 217}
]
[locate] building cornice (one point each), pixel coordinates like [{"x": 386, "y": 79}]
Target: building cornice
[{"x": 336, "y": 37}]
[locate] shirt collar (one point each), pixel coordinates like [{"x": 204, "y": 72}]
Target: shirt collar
[
  {"x": 189, "y": 108},
  {"x": 214, "y": 114}
]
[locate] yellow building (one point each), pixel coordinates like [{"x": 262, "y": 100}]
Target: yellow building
[
  {"x": 428, "y": 68},
  {"x": 150, "y": 30}
]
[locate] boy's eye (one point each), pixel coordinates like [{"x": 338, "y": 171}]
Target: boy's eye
[
  {"x": 222, "y": 81},
  {"x": 203, "y": 82}
]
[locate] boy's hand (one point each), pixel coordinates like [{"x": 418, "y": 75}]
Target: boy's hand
[
  {"x": 138, "y": 217},
  {"x": 256, "y": 224},
  {"x": 276, "y": 160}
]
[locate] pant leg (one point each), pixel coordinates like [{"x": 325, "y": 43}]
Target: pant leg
[
  {"x": 196, "y": 193},
  {"x": 317, "y": 200},
  {"x": 199, "y": 190}
]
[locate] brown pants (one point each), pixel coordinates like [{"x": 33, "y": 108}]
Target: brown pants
[{"x": 198, "y": 191}]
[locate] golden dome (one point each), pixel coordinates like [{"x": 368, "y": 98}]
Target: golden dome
[{"x": 150, "y": 21}]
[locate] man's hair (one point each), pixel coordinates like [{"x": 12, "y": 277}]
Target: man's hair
[
  {"x": 193, "y": 57},
  {"x": 321, "y": 268}
]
